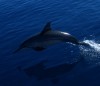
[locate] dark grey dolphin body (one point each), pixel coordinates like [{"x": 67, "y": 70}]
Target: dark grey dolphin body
[{"x": 48, "y": 37}]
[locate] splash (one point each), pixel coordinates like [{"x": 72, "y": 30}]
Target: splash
[
  {"x": 91, "y": 53},
  {"x": 93, "y": 45}
]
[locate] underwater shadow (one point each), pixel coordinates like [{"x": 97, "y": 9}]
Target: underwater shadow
[{"x": 41, "y": 72}]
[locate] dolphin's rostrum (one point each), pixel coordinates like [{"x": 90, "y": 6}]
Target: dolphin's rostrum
[{"x": 48, "y": 37}]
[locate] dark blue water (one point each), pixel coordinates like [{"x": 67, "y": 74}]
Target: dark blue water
[{"x": 21, "y": 19}]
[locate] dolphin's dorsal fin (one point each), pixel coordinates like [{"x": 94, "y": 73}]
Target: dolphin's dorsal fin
[{"x": 47, "y": 27}]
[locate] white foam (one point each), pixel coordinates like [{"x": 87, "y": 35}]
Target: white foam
[
  {"x": 93, "y": 45},
  {"x": 92, "y": 53}
]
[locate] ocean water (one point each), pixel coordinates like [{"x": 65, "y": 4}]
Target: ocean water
[{"x": 21, "y": 19}]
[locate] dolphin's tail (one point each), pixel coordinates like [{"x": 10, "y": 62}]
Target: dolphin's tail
[{"x": 84, "y": 44}]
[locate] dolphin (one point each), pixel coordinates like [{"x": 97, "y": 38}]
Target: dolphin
[{"x": 48, "y": 37}]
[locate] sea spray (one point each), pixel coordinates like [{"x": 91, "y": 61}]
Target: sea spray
[{"x": 92, "y": 53}]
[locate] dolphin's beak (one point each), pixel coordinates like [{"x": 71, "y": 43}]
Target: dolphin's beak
[{"x": 18, "y": 50}]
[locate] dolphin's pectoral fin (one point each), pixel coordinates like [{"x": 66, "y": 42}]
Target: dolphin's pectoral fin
[
  {"x": 46, "y": 28},
  {"x": 39, "y": 48}
]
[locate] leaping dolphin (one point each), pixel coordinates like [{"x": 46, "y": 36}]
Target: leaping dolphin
[{"x": 48, "y": 37}]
